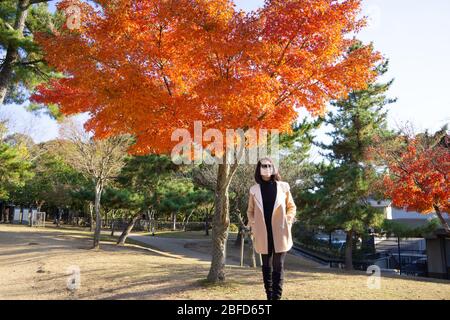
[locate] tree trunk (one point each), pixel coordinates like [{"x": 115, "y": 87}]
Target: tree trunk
[
  {"x": 441, "y": 218},
  {"x": 206, "y": 227},
  {"x": 98, "y": 217},
  {"x": 240, "y": 235},
  {"x": 349, "y": 250},
  {"x": 242, "y": 250},
  {"x": 58, "y": 218},
  {"x": 221, "y": 222},
  {"x": 186, "y": 220},
  {"x": 39, "y": 205},
  {"x": 152, "y": 222},
  {"x": 123, "y": 237},
  {"x": 7, "y": 213},
  {"x": 91, "y": 216},
  {"x": 208, "y": 215},
  {"x": 148, "y": 215},
  {"x": 12, "y": 54},
  {"x": 3, "y": 213},
  {"x": 106, "y": 219},
  {"x": 174, "y": 222}
]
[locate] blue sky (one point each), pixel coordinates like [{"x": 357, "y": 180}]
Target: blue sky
[{"x": 414, "y": 35}]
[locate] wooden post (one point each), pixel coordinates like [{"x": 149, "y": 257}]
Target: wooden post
[
  {"x": 399, "y": 255},
  {"x": 252, "y": 251},
  {"x": 242, "y": 246}
]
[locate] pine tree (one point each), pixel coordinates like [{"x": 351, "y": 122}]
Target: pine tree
[
  {"x": 348, "y": 182},
  {"x": 140, "y": 178},
  {"x": 22, "y": 65}
]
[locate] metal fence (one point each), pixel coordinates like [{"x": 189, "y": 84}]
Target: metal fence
[{"x": 406, "y": 256}]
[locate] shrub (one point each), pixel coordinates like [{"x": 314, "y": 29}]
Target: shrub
[{"x": 233, "y": 228}]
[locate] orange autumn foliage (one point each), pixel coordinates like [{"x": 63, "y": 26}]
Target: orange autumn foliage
[
  {"x": 150, "y": 67},
  {"x": 418, "y": 178}
]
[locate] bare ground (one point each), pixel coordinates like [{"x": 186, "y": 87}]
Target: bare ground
[{"x": 34, "y": 265}]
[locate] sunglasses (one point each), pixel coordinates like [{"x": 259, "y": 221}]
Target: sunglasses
[{"x": 266, "y": 166}]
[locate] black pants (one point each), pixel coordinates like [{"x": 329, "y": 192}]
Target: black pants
[
  {"x": 272, "y": 260},
  {"x": 273, "y": 271}
]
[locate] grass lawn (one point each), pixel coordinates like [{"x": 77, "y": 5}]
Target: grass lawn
[{"x": 34, "y": 265}]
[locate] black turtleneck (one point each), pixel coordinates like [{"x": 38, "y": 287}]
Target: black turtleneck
[{"x": 269, "y": 194}]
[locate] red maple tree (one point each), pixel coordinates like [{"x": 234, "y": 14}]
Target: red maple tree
[
  {"x": 419, "y": 172},
  {"x": 151, "y": 67}
]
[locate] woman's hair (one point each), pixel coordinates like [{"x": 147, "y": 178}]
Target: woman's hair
[{"x": 275, "y": 176}]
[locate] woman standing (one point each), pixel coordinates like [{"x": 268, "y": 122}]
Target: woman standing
[{"x": 271, "y": 213}]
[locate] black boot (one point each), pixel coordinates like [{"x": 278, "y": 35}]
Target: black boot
[
  {"x": 278, "y": 280},
  {"x": 267, "y": 277}
]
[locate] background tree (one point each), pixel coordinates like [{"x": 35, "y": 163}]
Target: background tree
[
  {"x": 99, "y": 160},
  {"x": 84, "y": 197},
  {"x": 130, "y": 203},
  {"x": 205, "y": 177},
  {"x": 296, "y": 165},
  {"x": 418, "y": 171},
  {"x": 14, "y": 165},
  {"x": 198, "y": 201},
  {"x": 53, "y": 181},
  {"x": 343, "y": 188},
  {"x": 179, "y": 197},
  {"x": 22, "y": 65},
  {"x": 141, "y": 176},
  {"x": 150, "y": 68}
]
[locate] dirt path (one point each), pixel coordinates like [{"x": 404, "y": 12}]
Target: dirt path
[
  {"x": 200, "y": 249},
  {"x": 174, "y": 246},
  {"x": 34, "y": 265}
]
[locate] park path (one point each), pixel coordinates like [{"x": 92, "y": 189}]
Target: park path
[
  {"x": 173, "y": 245},
  {"x": 185, "y": 248}
]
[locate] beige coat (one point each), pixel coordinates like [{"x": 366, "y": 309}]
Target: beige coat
[{"x": 282, "y": 218}]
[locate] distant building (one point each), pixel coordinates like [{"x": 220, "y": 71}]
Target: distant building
[
  {"x": 410, "y": 218},
  {"x": 415, "y": 256}
]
